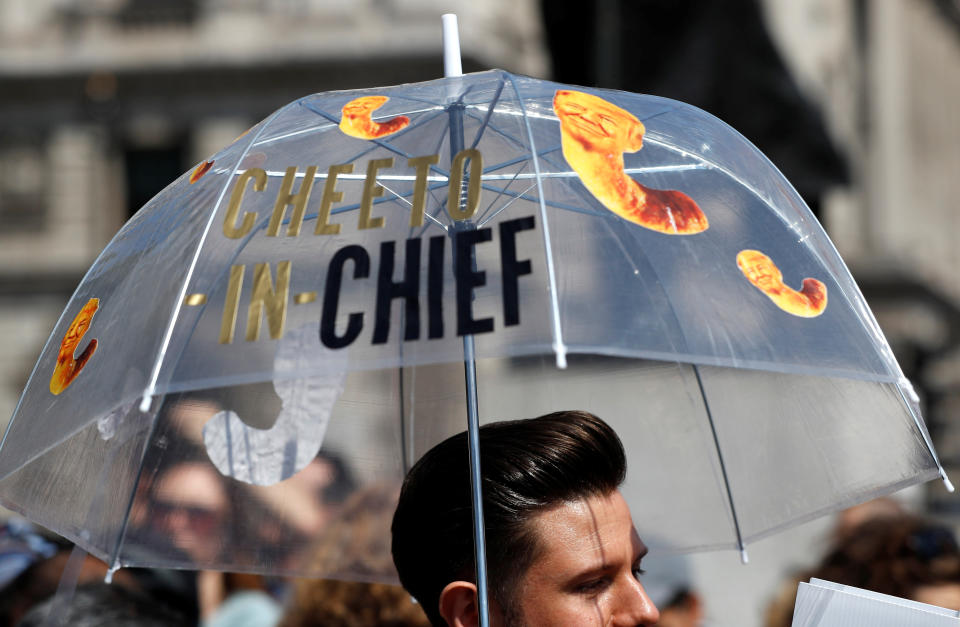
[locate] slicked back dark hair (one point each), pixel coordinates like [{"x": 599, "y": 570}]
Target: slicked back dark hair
[{"x": 527, "y": 466}]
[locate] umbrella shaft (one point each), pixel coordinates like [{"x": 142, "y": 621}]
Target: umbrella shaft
[
  {"x": 473, "y": 444},
  {"x": 473, "y": 413}
]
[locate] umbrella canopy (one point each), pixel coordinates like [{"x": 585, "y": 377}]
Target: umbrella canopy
[{"x": 249, "y": 368}]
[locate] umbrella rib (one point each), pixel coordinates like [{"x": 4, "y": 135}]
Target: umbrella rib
[
  {"x": 708, "y": 164},
  {"x": 432, "y": 103},
  {"x": 442, "y": 135},
  {"x": 706, "y": 404},
  {"x": 723, "y": 467},
  {"x": 503, "y": 191},
  {"x": 549, "y": 203},
  {"x": 409, "y": 449},
  {"x": 679, "y": 167},
  {"x": 362, "y": 153},
  {"x": 924, "y": 434},
  {"x": 404, "y": 199},
  {"x": 308, "y": 216},
  {"x": 151, "y": 388},
  {"x": 383, "y": 144},
  {"x": 303, "y": 131},
  {"x": 412, "y": 126},
  {"x": 439, "y": 205},
  {"x": 464, "y": 93},
  {"x": 490, "y": 108},
  {"x": 404, "y": 462},
  {"x": 497, "y": 130},
  {"x": 623, "y": 249},
  {"x": 510, "y": 162},
  {"x": 617, "y": 236},
  {"x": 505, "y": 205},
  {"x": 331, "y": 118},
  {"x": 558, "y": 346},
  {"x": 122, "y": 535},
  {"x": 318, "y": 128},
  {"x": 520, "y": 144},
  {"x": 312, "y": 216}
]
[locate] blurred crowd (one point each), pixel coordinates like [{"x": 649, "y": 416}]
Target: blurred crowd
[
  {"x": 44, "y": 580},
  {"x": 878, "y": 546},
  {"x": 186, "y": 515}
]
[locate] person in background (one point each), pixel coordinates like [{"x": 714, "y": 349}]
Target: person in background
[
  {"x": 902, "y": 555},
  {"x": 235, "y": 600},
  {"x": 40, "y": 581},
  {"x": 99, "y": 605},
  {"x": 356, "y": 544},
  {"x": 333, "y": 603},
  {"x": 191, "y": 506}
]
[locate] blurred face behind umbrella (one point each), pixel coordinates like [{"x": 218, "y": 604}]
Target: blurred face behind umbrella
[{"x": 191, "y": 505}]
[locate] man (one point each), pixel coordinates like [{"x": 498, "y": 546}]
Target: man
[{"x": 561, "y": 547}]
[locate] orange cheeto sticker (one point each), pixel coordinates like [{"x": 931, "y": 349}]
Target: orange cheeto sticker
[
  {"x": 763, "y": 274},
  {"x": 200, "y": 170},
  {"x": 68, "y": 367},
  {"x": 356, "y": 120},
  {"x": 594, "y": 135}
]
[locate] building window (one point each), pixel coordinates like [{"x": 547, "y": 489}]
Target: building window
[{"x": 24, "y": 186}]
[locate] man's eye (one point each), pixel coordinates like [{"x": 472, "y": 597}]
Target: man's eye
[
  {"x": 594, "y": 586},
  {"x": 638, "y": 572}
]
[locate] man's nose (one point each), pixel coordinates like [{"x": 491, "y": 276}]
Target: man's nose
[{"x": 633, "y": 606}]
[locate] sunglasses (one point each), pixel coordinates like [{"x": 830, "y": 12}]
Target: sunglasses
[{"x": 201, "y": 519}]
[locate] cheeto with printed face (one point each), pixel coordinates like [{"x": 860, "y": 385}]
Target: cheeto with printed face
[
  {"x": 356, "y": 120},
  {"x": 760, "y": 270},
  {"x": 68, "y": 367},
  {"x": 594, "y": 135}
]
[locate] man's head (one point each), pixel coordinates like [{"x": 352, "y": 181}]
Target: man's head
[{"x": 559, "y": 535}]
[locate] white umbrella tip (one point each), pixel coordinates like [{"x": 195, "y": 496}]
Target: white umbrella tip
[
  {"x": 451, "y": 45},
  {"x": 947, "y": 483},
  {"x": 744, "y": 558}
]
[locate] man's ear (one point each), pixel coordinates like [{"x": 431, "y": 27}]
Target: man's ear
[{"x": 458, "y": 604}]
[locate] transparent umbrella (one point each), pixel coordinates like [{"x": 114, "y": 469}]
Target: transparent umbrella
[{"x": 284, "y": 329}]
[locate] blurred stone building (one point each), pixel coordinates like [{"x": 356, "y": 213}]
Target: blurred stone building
[{"x": 887, "y": 75}]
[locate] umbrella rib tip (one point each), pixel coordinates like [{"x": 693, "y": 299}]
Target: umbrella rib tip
[
  {"x": 946, "y": 482},
  {"x": 561, "y": 352}
]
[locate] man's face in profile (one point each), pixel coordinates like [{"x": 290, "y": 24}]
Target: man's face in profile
[{"x": 588, "y": 567}]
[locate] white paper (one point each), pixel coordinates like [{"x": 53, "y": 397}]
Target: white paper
[{"x": 825, "y": 604}]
